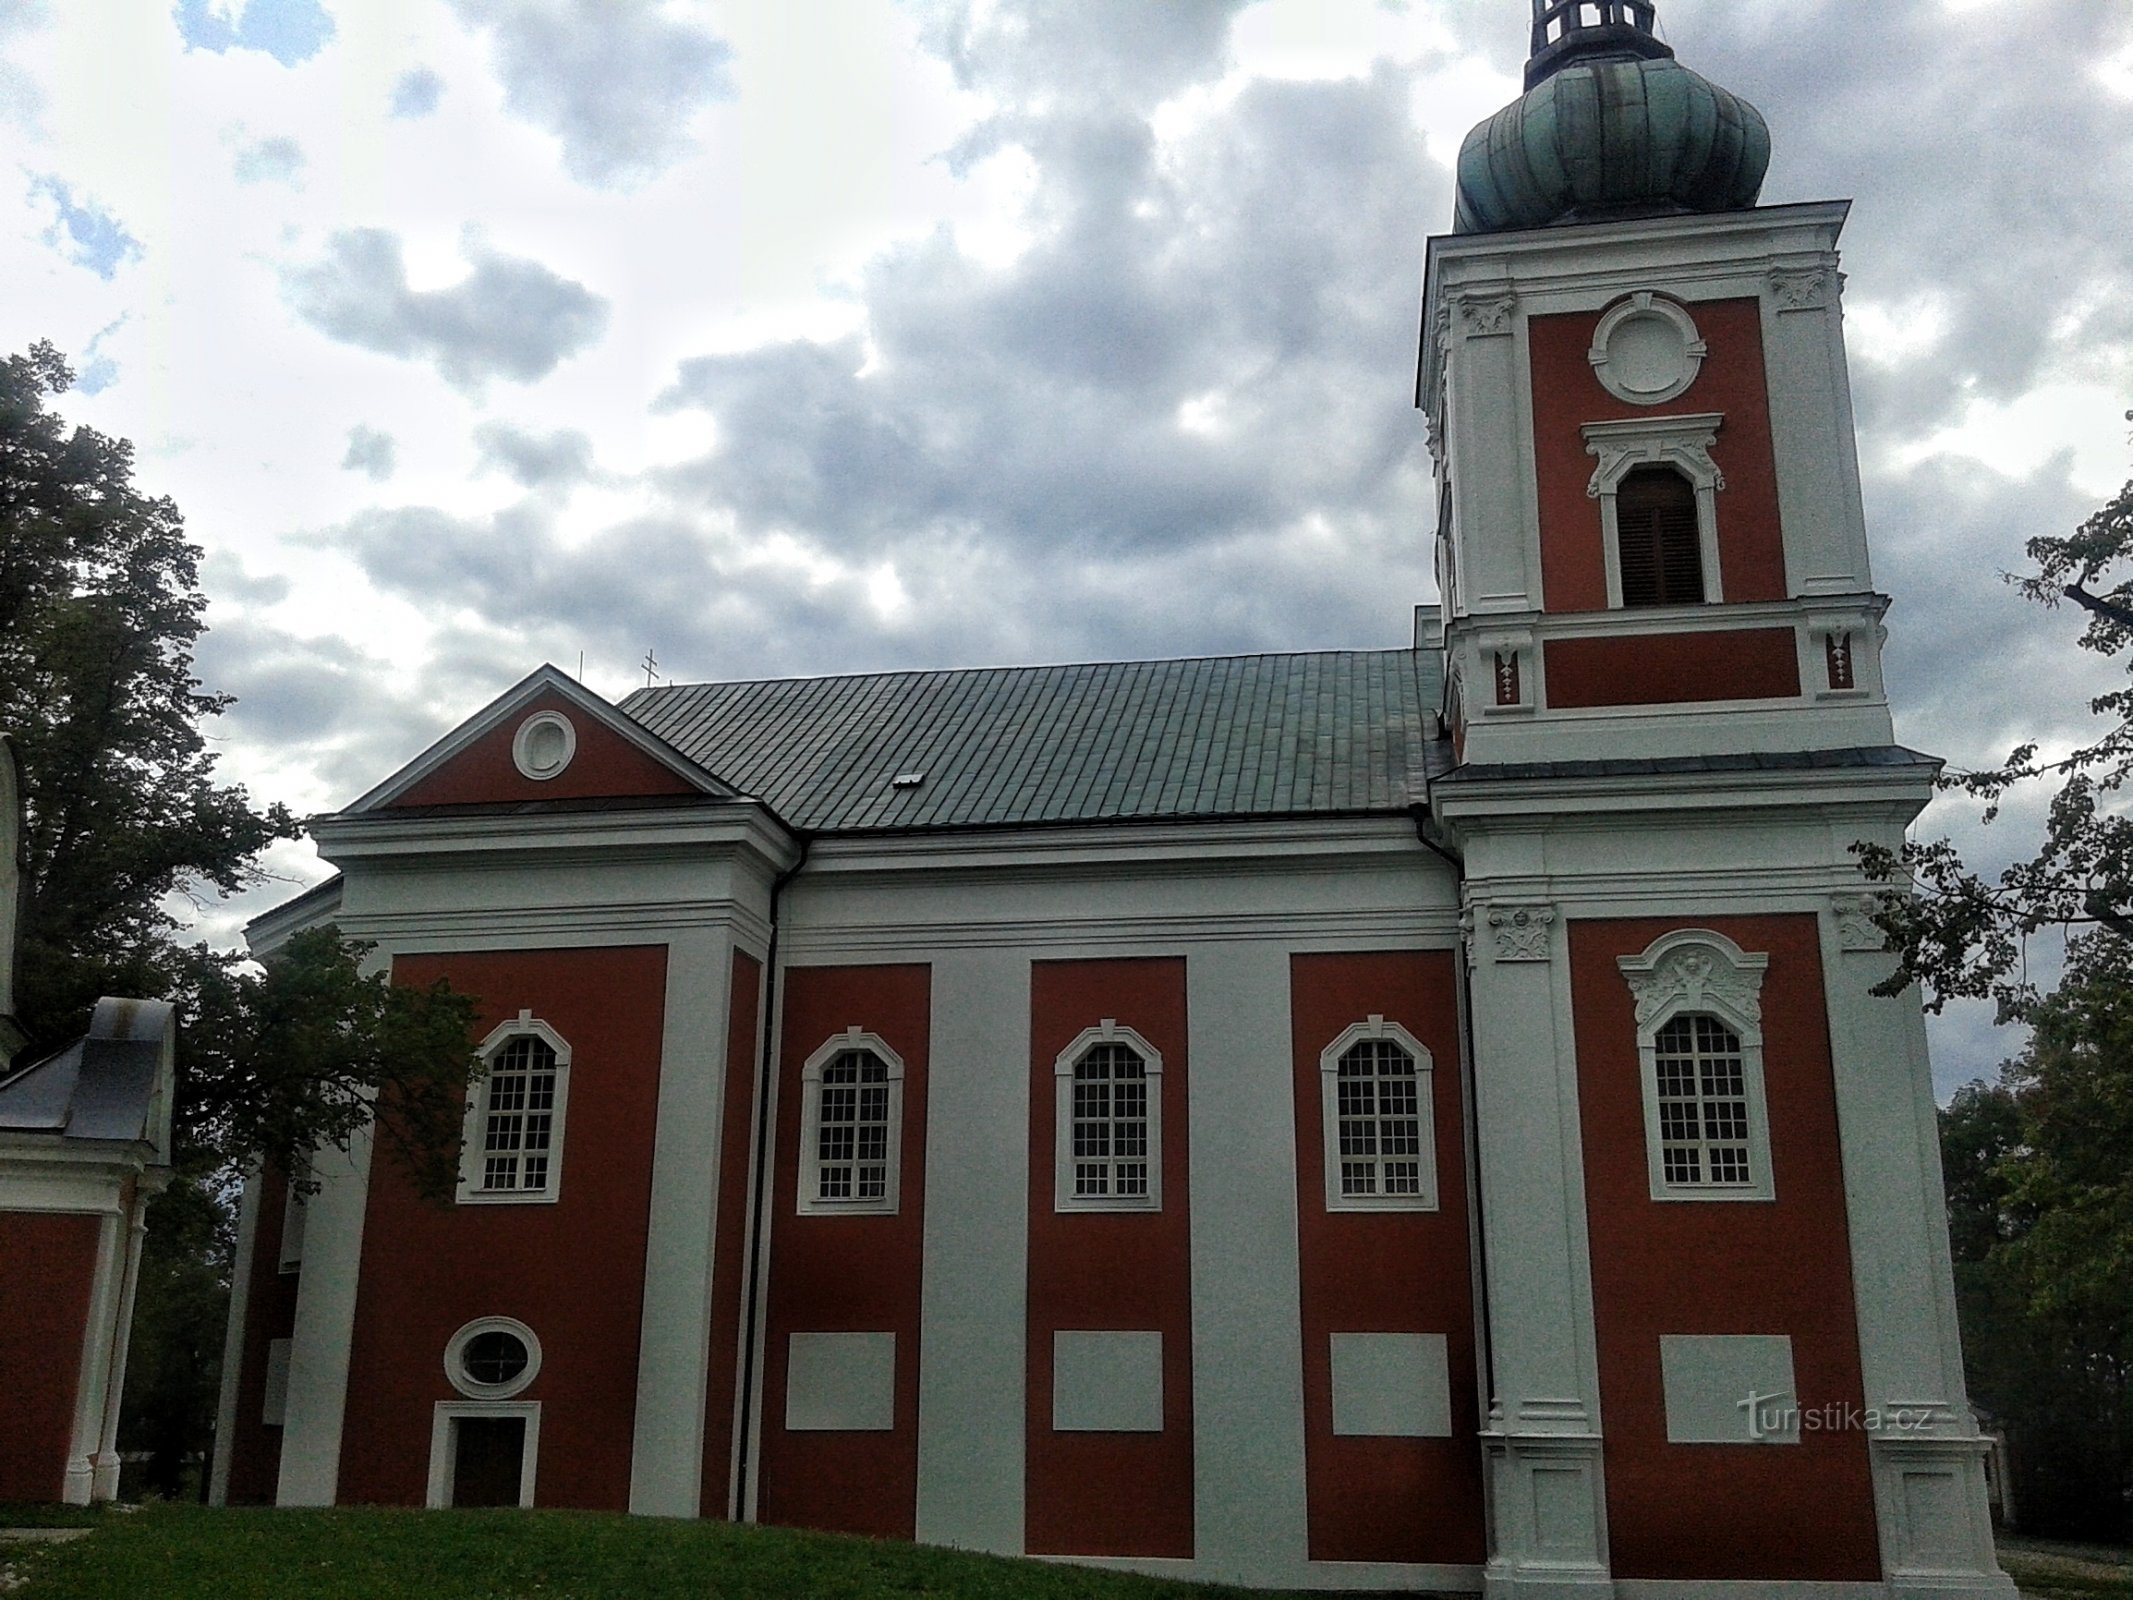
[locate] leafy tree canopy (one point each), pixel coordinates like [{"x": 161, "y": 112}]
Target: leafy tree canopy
[
  {"x": 2040, "y": 1215},
  {"x": 1961, "y": 934},
  {"x": 100, "y": 607}
]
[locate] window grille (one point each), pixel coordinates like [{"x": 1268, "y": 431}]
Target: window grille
[
  {"x": 1111, "y": 1124},
  {"x": 1379, "y": 1108},
  {"x": 1703, "y": 1103},
  {"x": 853, "y": 1128},
  {"x": 1658, "y": 540},
  {"x": 518, "y": 1117}
]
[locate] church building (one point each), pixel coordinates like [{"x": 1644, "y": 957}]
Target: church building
[{"x": 1399, "y": 1119}]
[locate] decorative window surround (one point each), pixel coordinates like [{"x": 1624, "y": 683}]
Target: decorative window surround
[
  {"x": 444, "y": 1444},
  {"x": 1647, "y": 350},
  {"x": 467, "y": 1375},
  {"x": 1682, "y": 443},
  {"x": 1093, "y": 1045},
  {"x": 1379, "y": 1044},
  {"x": 868, "y": 1169},
  {"x": 518, "y": 1083},
  {"x": 1698, "y": 974},
  {"x": 543, "y": 745}
]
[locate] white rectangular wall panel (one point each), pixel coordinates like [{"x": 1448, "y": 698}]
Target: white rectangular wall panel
[
  {"x": 1107, "y": 1382},
  {"x": 841, "y": 1383},
  {"x": 1714, "y": 1381},
  {"x": 1392, "y": 1385}
]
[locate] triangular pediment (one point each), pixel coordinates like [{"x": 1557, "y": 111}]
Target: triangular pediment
[{"x": 547, "y": 738}]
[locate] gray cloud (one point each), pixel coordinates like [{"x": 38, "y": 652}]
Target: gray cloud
[
  {"x": 278, "y": 159},
  {"x": 535, "y": 460},
  {"x": 370, "y": 452},
  {"x": 417, "y": 93},
  {"x": 511, "y": 318},
  {"x": 617, "y": 84}
]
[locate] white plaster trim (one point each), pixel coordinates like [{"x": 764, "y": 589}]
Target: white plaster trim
[
  {"x": 218, "y": 1472},
  {"x": 523, "y": 754},
  {"x": 1645, "y": 306},
  {"x": 1682, "y": 443},
  {"x": 1329, "y": 1063},
  {"x": 444, "y": 1442},
  {"x": 1696, "y": 971},
  {"x": 470, "y": 1192},
  {"x": 808, "y": 1201},
  {"x": 1063, "y": 1196},
  {"x": 455, "y": 1356}
]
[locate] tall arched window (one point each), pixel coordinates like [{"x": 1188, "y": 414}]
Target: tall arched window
[
  {"x": 1660, "y": 544},
  {"x": 851, "y": 1125},
  {"x": 513, "y": 1135},
  {"x": 1379, "y": 1121},
  {"x": 1108, "y": 1086}
]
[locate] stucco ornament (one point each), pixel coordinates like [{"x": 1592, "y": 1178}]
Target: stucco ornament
[
  {"x": 1856, "y": 928},
  {"x": 1522, "y": 932},
  {"x": 1696, "y": 970}
]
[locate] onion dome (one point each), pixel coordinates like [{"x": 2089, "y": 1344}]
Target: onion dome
[{"x": 1611, "y": 125}]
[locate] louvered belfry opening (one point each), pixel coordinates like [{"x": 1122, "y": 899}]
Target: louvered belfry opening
[{"x": 1657, "y": 537}]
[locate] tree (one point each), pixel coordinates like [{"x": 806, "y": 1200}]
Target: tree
[
  {"x": 1961, "y": 935},
  {"x": 2040, "y": 1214}
]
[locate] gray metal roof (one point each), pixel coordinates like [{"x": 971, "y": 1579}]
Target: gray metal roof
[
  {"x": 111, "y": 1084},
  {"x": 1329, "y": 733}
]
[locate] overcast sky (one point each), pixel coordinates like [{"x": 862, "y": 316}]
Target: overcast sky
[{"x": 791, "y": 338}]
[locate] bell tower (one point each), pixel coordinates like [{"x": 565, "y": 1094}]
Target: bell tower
[{"x": 1706, "y": 1150}]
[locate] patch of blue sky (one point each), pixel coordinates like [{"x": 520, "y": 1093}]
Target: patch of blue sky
[
  {"x": 98, "y": 371},
  {"x": 291, "y": 31},
  {"x": 417, "y": 93},
  {"x": 86, "y": 234}
]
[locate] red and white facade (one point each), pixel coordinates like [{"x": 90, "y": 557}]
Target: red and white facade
[{"x": 1519, "y": 1189}]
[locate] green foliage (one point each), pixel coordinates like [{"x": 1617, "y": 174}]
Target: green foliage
[
  {"x": 100, "y": 606},
  {"x": 173, "y": 1365},
  {"x": 1961, "y": 935},
  {"x": 313, "y": 1048},
  {"x": 2040, "y": 1201},
  {"x": 189, "y": 1553}
]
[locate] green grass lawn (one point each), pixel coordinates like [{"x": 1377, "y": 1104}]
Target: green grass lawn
[
  {"x": 192, "y": 1553},
  {"x": 2051, "y": 1571}
]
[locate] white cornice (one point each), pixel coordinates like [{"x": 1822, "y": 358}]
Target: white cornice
[
  {"x": 1271, "y": 845},
  {"x": 432, "y": 839}
]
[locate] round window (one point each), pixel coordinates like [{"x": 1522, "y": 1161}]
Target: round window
[
  {"x": 543, "y": 745},
  {"x": 492, "y": 1358}
]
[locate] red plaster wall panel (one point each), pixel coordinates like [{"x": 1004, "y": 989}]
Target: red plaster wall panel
[
  {"x": 269, "y": 1314},
  {"x": 1672, "y": 668},
  {"x": 847, "y": 1274},
  {"x": 48, "y": 1260},
  {"x": 572, "y": 1271},
  {"x": 737, "y": 1124},
  {"x": 1109, "y": 1494},
  {"x": 1385, "y": 1499},
  {"x": 1704, "y": 1511},
  {"x": 606, "y": 766},
  {"x": 1567, "y": 395}
]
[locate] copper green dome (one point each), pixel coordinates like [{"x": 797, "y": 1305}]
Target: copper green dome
[{"x": 1611, "y": 125}]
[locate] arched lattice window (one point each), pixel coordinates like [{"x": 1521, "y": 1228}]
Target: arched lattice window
[
  {"x": 1108, "y": 1086},
  {"x": 851, "y": 1126},
  {"x": 513, "y": 1135},
  {"x": 1703, "y": 1102},
  {"x": 1660, "y": 544},
  {"x": 1380, "y": 1125}
]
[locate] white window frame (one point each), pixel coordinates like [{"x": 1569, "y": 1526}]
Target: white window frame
[
  {"x": 471, "y": 1192},
  {"x": 1376, "y": 1029},
  {"x": 444, "y": 1445},
  {"x": 1680, "y": 443},
  {"x": 466, "y": 1383},
  {"x": 810, "y": 1202},
  {"x": 1063, "y": 1196},
  {"x": 1694, "y": 971}
]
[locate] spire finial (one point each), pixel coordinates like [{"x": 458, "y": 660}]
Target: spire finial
[{"x": 1592, "y": 30}]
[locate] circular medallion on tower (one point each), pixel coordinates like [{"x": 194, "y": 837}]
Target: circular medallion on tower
[
  {"x": 543, "y": 745},
  {"x": 1646, "y": 350}
]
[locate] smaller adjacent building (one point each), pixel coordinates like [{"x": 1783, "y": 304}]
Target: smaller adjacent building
[{"x": 84, "y": 1144}]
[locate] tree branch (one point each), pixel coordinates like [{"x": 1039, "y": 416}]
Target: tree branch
[{"x": 2110, "y": 609}]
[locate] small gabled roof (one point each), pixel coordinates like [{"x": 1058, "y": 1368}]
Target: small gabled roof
[
  {"x": 1343, "y": 732},
  {"x": 546, "y": 685},
  {"x": 112, "y": 1085}
]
